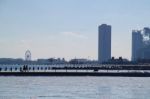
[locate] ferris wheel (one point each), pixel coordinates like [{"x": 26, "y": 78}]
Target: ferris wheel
[{"x": 28, "y": 55}]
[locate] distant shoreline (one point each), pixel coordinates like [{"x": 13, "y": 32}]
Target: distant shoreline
[{"x": 109, "y": 74}]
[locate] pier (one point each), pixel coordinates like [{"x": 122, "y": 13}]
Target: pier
[{"x": 76, "y": 70}]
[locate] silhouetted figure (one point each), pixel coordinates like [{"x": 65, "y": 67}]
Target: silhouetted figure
[
  {"x": 21, "y": 69},
  {"x": 5, "y": 68},
  {"x": 38, "y": 68},
  {"x": 33, "y": 68},
  {"x": 0, "y": 69},
  {"x": 16, "y": 69},
  {"x": 25, "y": 68},
  {"x": 11, "y": 69},
  {"x": 29, "y": 68}
]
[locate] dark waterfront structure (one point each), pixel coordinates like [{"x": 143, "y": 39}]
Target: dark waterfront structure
[
  {"x": 104, "y": 43},
  {"x": 110, "y": 74}
]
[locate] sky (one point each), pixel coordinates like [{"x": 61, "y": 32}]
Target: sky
[{"x": 68, "y": 28}]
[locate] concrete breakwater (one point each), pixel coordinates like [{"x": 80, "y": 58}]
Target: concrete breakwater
[{"x": 116, "y": 74}]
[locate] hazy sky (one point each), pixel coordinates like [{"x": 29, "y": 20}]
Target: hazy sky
[{"x": 68, "y": 28}]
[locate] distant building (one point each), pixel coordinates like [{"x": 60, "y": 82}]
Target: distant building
[
  {"x": 141, "y": 44},
  {"x": 79, "y": 61},
  {"x": 136, "y": 44},
  {"x": 145, "y": 53},
  {"x": 51, "y": 61},
  {"x": 119, "y": 60},
  {"x": 11, "y": 61},
  {"x": 104, "y": 43}
]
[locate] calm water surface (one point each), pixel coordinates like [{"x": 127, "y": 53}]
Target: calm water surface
[{"x": 74, "y": 88}]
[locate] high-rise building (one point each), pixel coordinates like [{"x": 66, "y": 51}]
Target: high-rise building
[
  {"x": 104, "y": 43},
  {"x": 137, "y": 43}
]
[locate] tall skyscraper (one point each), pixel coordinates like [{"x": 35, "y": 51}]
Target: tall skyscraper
[
  {"x": 141, "y": 44},
  {"x": 104, "y": 43},
  {"x": 137, "y": 40}
]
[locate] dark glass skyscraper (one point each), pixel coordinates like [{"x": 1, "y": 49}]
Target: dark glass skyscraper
[
  {"x": 104, "y": 43},
  {"x": 137, "y": 44},
  {"x": 141, "y": 44}
]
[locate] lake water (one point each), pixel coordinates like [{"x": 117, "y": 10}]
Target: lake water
[{"x": 74, "y": 88}]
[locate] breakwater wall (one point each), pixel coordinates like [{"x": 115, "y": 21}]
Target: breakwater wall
[{"x": 113, "y": 74}]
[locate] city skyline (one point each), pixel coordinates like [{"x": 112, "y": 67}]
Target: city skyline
[{"x": 68, "y": 28}]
